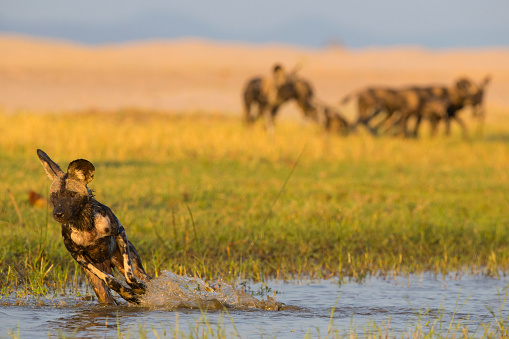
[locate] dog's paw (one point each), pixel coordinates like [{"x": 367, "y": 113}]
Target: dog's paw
[
  {"x": 112, "y": 283},
  {"x": 138, "y": 287},
  {"x": 129, "y": 294}
]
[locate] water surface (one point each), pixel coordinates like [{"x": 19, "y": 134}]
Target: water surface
[{"x": 391, "y": 306}]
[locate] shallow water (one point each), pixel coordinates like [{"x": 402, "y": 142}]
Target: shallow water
[{"x": 374, "y": 305}]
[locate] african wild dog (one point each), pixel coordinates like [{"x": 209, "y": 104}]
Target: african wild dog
[
  {"x": 444, "y": 103},
  {"x": 330, "y": 118},
  {"x": 252, "y": 95},
  {"x": 477, "y": 99},
  {"x": 92, "y": 233},
  {"x": 434, "y": 110},
  {"x": 419, "y": 102},
  {"x": 371, "y": 102},
  {"x": 269, "y": 93},
  {"x": 375, "y": 100}
]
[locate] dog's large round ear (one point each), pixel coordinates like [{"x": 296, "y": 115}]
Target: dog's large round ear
[
  {"x": 51, "y": 168},
  {"x": 81, "y": 169},
  {"x": 276, "y": 68},
  {"x": 462, "y": 83}
]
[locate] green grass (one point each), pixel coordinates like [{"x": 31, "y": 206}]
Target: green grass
[{"x": 203, "y": 195}]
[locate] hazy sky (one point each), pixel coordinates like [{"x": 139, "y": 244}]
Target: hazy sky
[{"x": 433, "y": 23}]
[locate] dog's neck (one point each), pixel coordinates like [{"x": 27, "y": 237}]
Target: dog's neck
[{"x": 85, "y": 219}]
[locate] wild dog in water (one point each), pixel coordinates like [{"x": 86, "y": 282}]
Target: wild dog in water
[
  {"x": 92, "y": 233},
  {"x": 269, "y": 93}
]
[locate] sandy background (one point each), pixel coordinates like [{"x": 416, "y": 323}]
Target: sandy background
[{"x": 201, "y": 76}]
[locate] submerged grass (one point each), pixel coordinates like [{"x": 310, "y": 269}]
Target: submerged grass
[{"x": 202, "y": 195}]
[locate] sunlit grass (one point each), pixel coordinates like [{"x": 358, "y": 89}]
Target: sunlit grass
[{"x": 351, "y": 207}]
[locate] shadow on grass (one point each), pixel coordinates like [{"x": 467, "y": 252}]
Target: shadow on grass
[{"x": 497, "y": 137}]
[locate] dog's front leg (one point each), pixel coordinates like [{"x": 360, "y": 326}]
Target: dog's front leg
[
  {"x": 102, "y": 291},
  {"x": 108, "y": 279},
  {"x": 130, "y": 277}
]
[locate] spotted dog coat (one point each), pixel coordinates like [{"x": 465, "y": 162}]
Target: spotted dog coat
[{"x": 92, "y": 233}]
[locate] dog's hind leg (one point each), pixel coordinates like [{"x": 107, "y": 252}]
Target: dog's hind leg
[
  {"x": 118, "y": 261},
  {"x": 137, "y": 265},
  {"x": 129, "y": 271}
]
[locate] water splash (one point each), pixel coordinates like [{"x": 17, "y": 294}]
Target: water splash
[{"x": 170, "y": 291}]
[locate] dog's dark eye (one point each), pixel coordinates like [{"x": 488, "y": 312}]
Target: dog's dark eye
[
  {"x": 53, "y": 195},
  {"x": 73, "y": 194}
]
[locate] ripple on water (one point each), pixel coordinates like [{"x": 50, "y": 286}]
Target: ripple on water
[{"x": 423, "y": 302}]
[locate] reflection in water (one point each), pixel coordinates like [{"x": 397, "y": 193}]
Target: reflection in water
[
  {"x": 421, "y": 303},
  {"x": 91, "y": 321}
]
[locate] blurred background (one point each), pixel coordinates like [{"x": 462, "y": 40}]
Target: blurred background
[
  {"x": 198, "y": 55},
  {"x": 431, "y": 23}
]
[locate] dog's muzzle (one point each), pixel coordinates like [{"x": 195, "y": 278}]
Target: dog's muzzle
[{"x": 60, "y": 215}]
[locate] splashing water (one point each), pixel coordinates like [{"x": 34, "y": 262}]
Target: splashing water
[{"x": 170, "y": 291}]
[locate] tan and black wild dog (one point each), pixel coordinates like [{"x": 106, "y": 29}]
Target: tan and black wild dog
[
  {"x": 267, "y": 94},
  {"x": 330, "y": 118},
  {"x": 433, "y": 102},
  {"x": 92, "y": 233}
]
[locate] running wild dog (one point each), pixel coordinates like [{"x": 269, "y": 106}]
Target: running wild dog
[
  {"x": 371, "y": 102},
  {"x": 433, "y": 102},
  {"x": 92, "y": 233}
]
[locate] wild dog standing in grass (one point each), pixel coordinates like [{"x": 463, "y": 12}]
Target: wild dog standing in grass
[
  {"x": 371, "y": 102},
  {"x": 477, "y": 102},
  {"x": 92, "y": 233},
  {"x": 330, "y": 118},
  {"x": 434, "y": 110},
  {"x": 268, "y": 94},
  {"x": 404, "y": 103},
  {"x": 451, "y": 100}
]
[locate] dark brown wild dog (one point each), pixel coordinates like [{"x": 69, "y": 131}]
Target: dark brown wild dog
[{"x": 92, "y": 233}]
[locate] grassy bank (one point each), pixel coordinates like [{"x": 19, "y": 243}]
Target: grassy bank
[{"x": 203, "y": 195}]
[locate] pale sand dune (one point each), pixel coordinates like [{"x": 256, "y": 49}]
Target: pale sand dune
[{"x": 193, "y": 75}]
